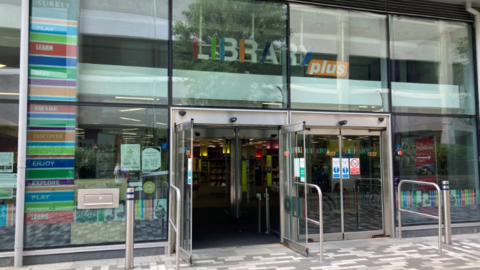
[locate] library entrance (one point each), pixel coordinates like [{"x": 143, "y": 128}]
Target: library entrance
[{"x": 227, "y": 163}]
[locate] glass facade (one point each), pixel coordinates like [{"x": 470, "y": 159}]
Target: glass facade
[
  {"x": 90, "y": 147},
  {"x": 10, "y": 18},
  {"x": 436, "y": 149},
  {"x": 432, "y": 66},
  {"x": 104, "y": 65},
  {"x": 338, "y": 60},
  {"x": 104, "y": 74},
  {"x": 221, "y": 58}
]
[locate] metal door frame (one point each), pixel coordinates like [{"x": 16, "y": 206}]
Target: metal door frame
[
  {"x": 358, "y": 124},
  {"x": 343, "y": 235},
  {"x": 180, "y": 183},
  {"x": 291, "y": 243},
  {"x": 220, "y": 118}
]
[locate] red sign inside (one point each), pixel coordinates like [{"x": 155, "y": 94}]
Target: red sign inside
[
  {"x": 425, "y": 162},
  {"x": 354, "y": 166}
]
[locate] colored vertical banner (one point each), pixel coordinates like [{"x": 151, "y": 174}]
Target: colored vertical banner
[
  {"x": 50, "y": 163},
  {"x": 269, "y": 170},
  {"x": 53, "y": 50},
  {"x": 425, "y": 162}
]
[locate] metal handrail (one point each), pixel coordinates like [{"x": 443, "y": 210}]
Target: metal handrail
[
  {"x": 439, "y": 217},
  {"x": 267, "y": 208},
  {"x": 320, "y": 214},
  {"x": 177, "y": 226}
]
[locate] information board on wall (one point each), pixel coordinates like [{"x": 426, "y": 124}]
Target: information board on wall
[
  {"x": 6, "y": 162},
  {"x": 151, "y": 159},
  {"x": 130, "y": 157}
]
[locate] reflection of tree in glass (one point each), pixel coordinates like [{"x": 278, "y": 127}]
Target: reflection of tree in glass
[{"x": 235, "y": 20}]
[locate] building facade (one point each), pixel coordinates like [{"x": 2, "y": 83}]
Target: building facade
[{"x": 105, "y": 94}]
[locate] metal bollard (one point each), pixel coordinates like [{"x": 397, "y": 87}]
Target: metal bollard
[
  {"x": 267, "y": 211},
  {"x": 259, "y": 196},
  {"x": 129, "y": 224},
  {"x": 446, "y": 209}
]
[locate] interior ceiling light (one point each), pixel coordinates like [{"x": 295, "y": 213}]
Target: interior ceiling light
[
  {"x": 126, "y": 129},
  {"x": 130, "y": 119},
  {"x": 10, "y": 94},
  {"x": 272, "y": 103},
  {"x": 131, "y": 110},
  {"x": 163, "y": 124},
  {"x": 2, "y": 66}
]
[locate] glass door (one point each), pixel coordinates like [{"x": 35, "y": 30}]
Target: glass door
[
  {"x": 361, "y": 165},
  {"x": 347, "y": 166},
  {"x": 295, "y": 233},
  {"x": 183, "y": 176}
]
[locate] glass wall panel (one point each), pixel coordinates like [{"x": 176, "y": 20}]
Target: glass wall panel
[
  {"x": 229, "y": 53},
  {"x": 10, "y": 14},
  {"x": 8, "y": 173},
  {"x": 83, "y": 147},
  {"x": 435, "y": 149},
  {"x": 99, "y": 51},
  {"x": 338, "y": 60},
  {"x": 432, "y": 66}
]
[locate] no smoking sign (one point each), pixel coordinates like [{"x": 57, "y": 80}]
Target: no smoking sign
[{"x": 354, "y": 166}]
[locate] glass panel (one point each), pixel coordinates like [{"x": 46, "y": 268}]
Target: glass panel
[
  {"x": 8, "y": 173},
  {"x": 432, "y": 64},
  {"x": 338, "y": 59},
  {"x": 229, "y": 53},
  {"x": 10, "y": 15},
  {"x": 362, "y": 190},
  {"x": 434, "y": 149},
  {"x": 184, "y": 145},
  {"x": 294, "y": 203},
  {"x": 322, "y": 150},
  {"x": 118, "y": 53},
  {"x": 85, "y": 147}
]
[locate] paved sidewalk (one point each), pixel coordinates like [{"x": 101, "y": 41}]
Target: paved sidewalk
[{"x": 384, "y": 253}]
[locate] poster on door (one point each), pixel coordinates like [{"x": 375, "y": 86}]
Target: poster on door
[
  {"x": 335, "y": 168},
  {"x": 131, "y": 157},
  {"x": 354, "y": 166},
  {"x": 6, "y": 162},
  {"x": 345, "y": 168},
  {"x": 425, "y": 162}
]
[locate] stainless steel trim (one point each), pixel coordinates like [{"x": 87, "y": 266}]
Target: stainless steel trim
[
  {"x": 173, "y": 145},
  {"x": 438, "y": 217},
  {"x": 188, "y": 124},
  {"x": 177, "y": 227},
  {"x": 69, "y": 250},
  {"x": 296, "y": 247},
  {"x": 446, "y": 209},
  {"x": 428, "y": 227},
  {"x": 299, "y": 126},
  {"x": 341, "y": 113},
  {"x": 129, "y": 229},
  {"x": 320, "y": 214},
  {"x": 184, "y": 255},
  {"x": 22, "y": 133},
  {"x": 281, "y": 184},
  {"x": 9, "y": 254},
  {"x": 389, "y": 182},
  {"x": 362, "y": 235},
  {"x": 342, "y": 212}
]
